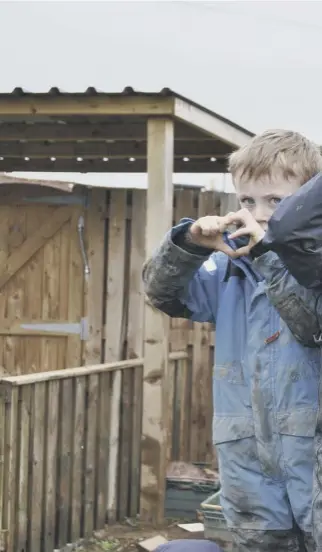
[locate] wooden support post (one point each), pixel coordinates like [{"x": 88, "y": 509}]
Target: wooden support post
[
  {"x": 94, "y": 284},
  {"x": 156, "y": 334}
]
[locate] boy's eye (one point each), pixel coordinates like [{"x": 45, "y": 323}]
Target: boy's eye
[
  {"x": 247, "y": 201},
  {"x": 276, "y": 200}
]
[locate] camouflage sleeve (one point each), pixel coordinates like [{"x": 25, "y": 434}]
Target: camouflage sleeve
[
  {"x": 300, "y": 308},
  {"x": 168, "y": 273}
]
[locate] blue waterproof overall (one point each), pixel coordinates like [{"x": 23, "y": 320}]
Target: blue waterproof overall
[
  {"x": 265, "y": 389},
  {"x": 265, "y": 385}
]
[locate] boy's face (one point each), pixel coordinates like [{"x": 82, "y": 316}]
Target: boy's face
[{"x": 261, "y": 197}]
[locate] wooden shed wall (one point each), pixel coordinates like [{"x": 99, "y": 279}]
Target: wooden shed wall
[
  {"x": 43, "y": 281},
  {"x": 190, "y": 397}
]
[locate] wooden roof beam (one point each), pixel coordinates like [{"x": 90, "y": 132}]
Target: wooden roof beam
[
  {"x": 112, "y": 166},
  {"x": 93, "y": 150},
  {"x": 209, "y": 123},
  {"x": 89, "y": 132},
  {"x": 44, "y": 105},
  {"x": 33, "y": 106}
]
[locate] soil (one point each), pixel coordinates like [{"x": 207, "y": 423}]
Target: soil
[{"x": 125, "y": 537}]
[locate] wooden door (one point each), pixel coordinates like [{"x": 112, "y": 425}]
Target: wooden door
[{"x": 41, "y": 288}]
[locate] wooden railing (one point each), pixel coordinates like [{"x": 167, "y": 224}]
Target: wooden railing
[{"x": 70, "y": 461}]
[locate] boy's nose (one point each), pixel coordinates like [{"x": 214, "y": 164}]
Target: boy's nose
[{"x": 261, "y": 215}]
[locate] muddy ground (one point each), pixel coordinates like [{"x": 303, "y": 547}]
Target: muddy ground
[{"x": 125, "y": 537}]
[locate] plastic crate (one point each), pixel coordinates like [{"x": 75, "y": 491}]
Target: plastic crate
[
  {"x": 183, "y": 497},
  {"x": 215, "y": 527}
]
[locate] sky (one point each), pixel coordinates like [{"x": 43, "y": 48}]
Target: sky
[{"x": 256, "y": 63}]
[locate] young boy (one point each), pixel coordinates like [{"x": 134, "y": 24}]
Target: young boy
[
  {"x": 295, "y": 233},
  {"x": 265, "y": 382}
]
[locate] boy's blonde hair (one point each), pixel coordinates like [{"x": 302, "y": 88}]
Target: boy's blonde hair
[{"x": 276, "y": 154}]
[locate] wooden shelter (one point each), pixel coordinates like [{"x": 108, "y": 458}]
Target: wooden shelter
[{"x": 60, "y": 307}]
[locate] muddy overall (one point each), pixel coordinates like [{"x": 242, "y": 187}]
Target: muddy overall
[
  {"x": 265, "y": 388},
  {"x": 295, "y": 234}
]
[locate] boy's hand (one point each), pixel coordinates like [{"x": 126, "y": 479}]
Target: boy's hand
[
  {"x": 249, "y": 228},
  {"x": 207, "y": 232}
]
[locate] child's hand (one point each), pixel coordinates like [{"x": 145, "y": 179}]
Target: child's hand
[
  {"x": 250, "y": 228},
  {"x": 207, "y": 232}
]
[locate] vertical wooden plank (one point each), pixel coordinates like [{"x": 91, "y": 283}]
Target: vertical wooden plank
[
  {"x": 197, "y": 369},
  {"x": 102, "y": 450},
  {"x": 114, "y": 330},
  {"x": 16, "y": 287},
  {"x": 156, "y": 338},
  {"x": 64, "y": 272},
  {"x": 78, "y": 458},
  {"x": 135, "y": 337},
  {"x": 90, "y": 454},
  {"x": 37, "y": 473},
  {"x": 201, "y": 389},
  {"x": 173, "y": 434},
  {"x": 95, "y": 229},
  {"x": 112, "y": 501},
  {"x": 184, "y": 417},
  {"x": 23, "y": 477},
  {"x": 171, "y": 392},
  {"x": 184, "y": 393},
  {"x": 14, "y": 350},
  {"x": 75, "y": 290},
  {"x": 184, "y": 207},
  {"x": 209, "y": 203},
  {"x": 5, "y": 393},
  {"x": 51, "y": 299},
  {"x": 228, "y": 203},
  {"x": 135, "y": 333},
  {"x": 127, "y": 385},
  {"x": 64, "y": 461},
  {"x": 52, "y": 401},
  {"x": 35, "y": 216},
  {"x": 48, "y": 287},
  {"x": 4, "y": 232},
  {"x": 61, "y": 347},
  {"x": 2, "y": 453},
  {"x": 201, "y": 407},
  {"x": 114, "y": 324},
  {"x": 12, "y": 487},
  {"x": 125, "y": 443},
  {"x": 206, "y": 396}
]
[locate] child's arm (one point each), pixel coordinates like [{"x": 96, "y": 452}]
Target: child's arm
[
  {"x": 176, "y": 280},
  {"x": 295, "y": 234},
  {"x": 300, "y": 308},
  {"x": 289, "y": 256}
]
